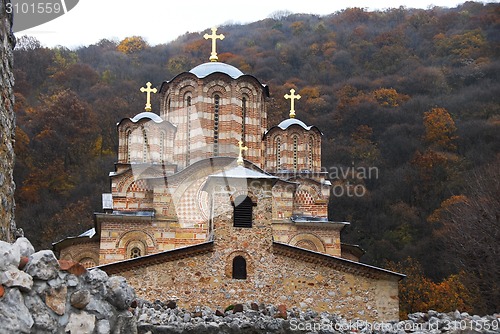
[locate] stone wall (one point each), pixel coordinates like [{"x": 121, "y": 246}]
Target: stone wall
[
  {"x": 39, "y": 294},
  {"x": 7, "y": 125}
]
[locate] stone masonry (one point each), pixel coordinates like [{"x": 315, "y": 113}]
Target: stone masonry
[{"x": 7, "y": 125}]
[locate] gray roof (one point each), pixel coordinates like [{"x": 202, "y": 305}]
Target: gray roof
[
  {"x": 206, "y": 69},
  {"x": 146, "y": 114}
]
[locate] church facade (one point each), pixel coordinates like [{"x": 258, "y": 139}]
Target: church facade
[{"x": 212, "y": 205}]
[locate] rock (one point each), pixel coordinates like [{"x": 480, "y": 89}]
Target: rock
[
  {"x": 219, "y": 313},
  {"x": 97, "y": 279},
  {"x": 42, "y": 265},
  {"x": 55, "y": 299},
  {"x": 2, "y": 291},
  {"x": 120, "y": 294},
  {"x": 81, "y": 323},
  {"x": 72, "y": 267},
  {"x": 171, "y": 304},
  {"x": 254, "y": 306},
  {"x": 125, "y": 324},
  {"x": 238, "y": 308},
  {"x": 281, "y": 314},
  {"x": 23, "y": 262},
  {"x": 44, "y": 319},
  {"x": 14, "y": 315},
  {"x": 9, "y": 256},
  {"x": 79, "y": 299},
  {"x": 25, "y": 247},
  {"x": 103, "y": 327},
  {"x": 16, "y": 278}
]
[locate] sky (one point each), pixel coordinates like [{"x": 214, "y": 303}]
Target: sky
[{"x": 162, "y": 21}]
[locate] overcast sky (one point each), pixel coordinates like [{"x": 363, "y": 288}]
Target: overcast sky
[{"x": 161, "y": 21}]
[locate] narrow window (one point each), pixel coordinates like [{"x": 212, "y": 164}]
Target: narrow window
[
  {"x": 188, "y": 129},
  {"x": 129, "y": 145},
  {"x": 135, "y": 252},
  {"x": 216, "y": 124},
  {"x": 243, "y": 117},
  {"x": 242, "y": 214},
  {"x": 239, "y": 268},
  {"x": 311, "y": 153},
  {"x": 162, "y": 147},
  {"x": 144, "y": 146},
  {"x": 278, "y": 153},
  {"x": 295, "y": 146}
]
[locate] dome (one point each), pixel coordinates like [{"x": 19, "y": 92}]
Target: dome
[
  {"x": 291, "y": 121},
  {"x": 206, "y": 69},
  {"x": 152, "y": 116}
]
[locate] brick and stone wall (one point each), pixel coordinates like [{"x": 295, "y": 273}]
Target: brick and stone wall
[
  {"x": 7, "y": 125},
  {"x": 273, "y": 276}
]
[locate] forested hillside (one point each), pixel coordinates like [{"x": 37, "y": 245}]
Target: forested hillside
[{"x": 412, "y": 94}]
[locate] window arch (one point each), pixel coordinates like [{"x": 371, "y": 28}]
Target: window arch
[
  {"x": 239, "y": 267},
  {"x": 243, "y": 211},
  {"x": 216, "y": 123}
]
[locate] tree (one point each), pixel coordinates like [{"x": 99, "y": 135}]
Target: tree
[
  {"x": 132, "y": 44},
  {"x": 469, "y": 227},
  {"x": 440, "y": 129}
]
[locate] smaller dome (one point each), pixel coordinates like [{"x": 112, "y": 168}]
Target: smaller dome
[
  {"x": 206, "y": 69},
  {"x": 291, "y": 121},
  {"x": 152, "y": 116}
]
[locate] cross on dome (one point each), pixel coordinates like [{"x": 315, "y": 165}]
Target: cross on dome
[
  {"x": 148, "y": 90},
  {"x": 214, "y": 37},
  {"x": 292, "y": 97}
]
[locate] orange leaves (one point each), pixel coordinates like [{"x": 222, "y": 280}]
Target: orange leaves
[
  {"x": 389, "y": 97},
  {"x": 440, "y": 129},
  {"x": 417, "y": 293},
  {"x": 132, "y": 45}
]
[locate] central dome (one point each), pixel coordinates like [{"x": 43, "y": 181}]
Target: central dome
[{"x": 206, "y": 69}]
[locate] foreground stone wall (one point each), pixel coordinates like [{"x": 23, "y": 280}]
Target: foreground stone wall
[
  {"x": 39, "y": 294},
  {"x": 7, "y": 125}
]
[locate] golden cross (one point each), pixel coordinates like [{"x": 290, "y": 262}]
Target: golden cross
[
  {"x": 292, "y": 98},
  {"x": 148, "y": 91},
  {"x": 240, "y": 156},
  {"x": 214, "y": 37}
]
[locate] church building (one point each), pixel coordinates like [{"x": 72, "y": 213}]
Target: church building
[{"x": 211, "y": 205}]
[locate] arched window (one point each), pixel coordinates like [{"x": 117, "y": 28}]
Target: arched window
[
  {"x": 188, "y": 129},
  {"x": 239, "y": 267},
  {"x": 295, "y": 147},
  {"x": 129, "y": 145},
  {"x": 243, "y": 117},
  {"x": 162, "y": 147},
  {"x": 311, "y": 153},
  {"x": 216, "y": 124},
  {"x": 145, "y": 145},
  {"x": 242, "y": 214},
  {"x": 278, "y": 153},
  {"x": 135, "y": 252}
]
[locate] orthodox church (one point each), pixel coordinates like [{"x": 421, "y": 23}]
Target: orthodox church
[{"x": 211, "y": 205}]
